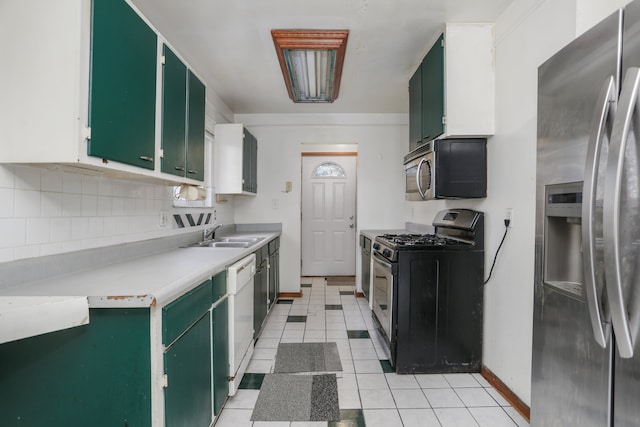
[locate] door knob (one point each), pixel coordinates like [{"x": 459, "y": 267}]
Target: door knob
[{"x": 351, "y": 226}]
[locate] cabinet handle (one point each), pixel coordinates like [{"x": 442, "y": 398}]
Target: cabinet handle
[
  {"x": 178, "y": 168},
  {"x": 190, "y": 171},
  {"x": 146, "y": 158}
]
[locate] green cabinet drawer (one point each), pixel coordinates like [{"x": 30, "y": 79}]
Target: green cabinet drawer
[
  {"x": 178, "y": 315},
  {"x": 219, "y": 288},
  {"x": 274, "y": 245},
  {"x": 187, "y": 365}
]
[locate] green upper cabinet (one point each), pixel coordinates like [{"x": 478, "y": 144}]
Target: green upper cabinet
[
  {"x": 174, "y": 107},
  {"x": 452, "y": 93},
  {"x": 415, "y": 109},
  {"x": 195, "y": 128},
  {"x": 236, "y": 156},
  {"x": 249, "y": 163},
  {"x": 122, "y": 100},
  {"x": 183, "y": 116},
  {"x": 432, "y": 74}
]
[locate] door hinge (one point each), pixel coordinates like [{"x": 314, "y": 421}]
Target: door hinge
[
  {"x": 164, "y": 381},
  {"x": 86, "y": 132},
  {"x": 444, "y": 120}
]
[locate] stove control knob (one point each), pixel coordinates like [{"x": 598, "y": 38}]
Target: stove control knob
[
  {"x": 386, "y": 253},
  {"x": 376, "y": 246}
]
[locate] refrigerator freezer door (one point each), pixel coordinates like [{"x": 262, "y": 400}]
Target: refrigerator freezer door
[
  {"x": 627, "y": 371},
  {"x": 570, "y": 371}
]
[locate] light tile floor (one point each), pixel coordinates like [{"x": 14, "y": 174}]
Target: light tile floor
[{"x": 369, "y": 393}]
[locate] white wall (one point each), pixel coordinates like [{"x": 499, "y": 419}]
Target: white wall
[{"x": 382, "y": 143}]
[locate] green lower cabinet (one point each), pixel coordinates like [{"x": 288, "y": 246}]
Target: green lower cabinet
[
  {"x": 187, "y": 365},
  {"x": 220, "y": 356},
  {"x": 95, "y": 375}
]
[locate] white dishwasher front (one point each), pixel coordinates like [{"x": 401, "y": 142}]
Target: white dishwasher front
[{"x": 240, "y": 287}]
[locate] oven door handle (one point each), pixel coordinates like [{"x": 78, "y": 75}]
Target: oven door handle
[
  {"x": 418, "y": 177},
  {"x": 381, "y": 260}
]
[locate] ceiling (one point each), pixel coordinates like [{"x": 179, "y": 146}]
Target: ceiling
[{"x": 228, "y": 43}]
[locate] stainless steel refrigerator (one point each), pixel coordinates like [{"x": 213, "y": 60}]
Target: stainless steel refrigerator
[{"x": 586, "y": 356}]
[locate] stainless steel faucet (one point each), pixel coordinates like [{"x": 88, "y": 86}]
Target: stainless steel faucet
[{"x": 210, "y": 233}]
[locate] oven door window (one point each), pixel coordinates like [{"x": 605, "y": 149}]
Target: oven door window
[{"x": 383, "y": 294}]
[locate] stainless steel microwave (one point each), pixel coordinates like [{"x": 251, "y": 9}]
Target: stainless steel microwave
[{"x": 447, "y": 169}]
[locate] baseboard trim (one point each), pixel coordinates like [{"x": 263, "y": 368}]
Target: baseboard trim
[
  {"x": 290, "y": 295},
  {"x": 506, "y": 392},
  {"x": 359, "y": 295}
]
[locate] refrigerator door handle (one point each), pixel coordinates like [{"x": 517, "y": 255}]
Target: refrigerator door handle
[
  {"x": 612, "y": 257},
  {"x": 601, "y": 124}
]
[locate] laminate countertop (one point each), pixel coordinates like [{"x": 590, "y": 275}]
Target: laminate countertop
[{"x": 148, "y": 281}]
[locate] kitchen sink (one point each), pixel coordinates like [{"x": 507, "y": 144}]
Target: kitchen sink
[
  {"x": 251, "y": 240},
  {"x": 228, "y": 242},
  {"x": 224, "y": 244}
]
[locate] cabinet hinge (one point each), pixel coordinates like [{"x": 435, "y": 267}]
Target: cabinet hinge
[
  {"x": 86, "y": 132},
  {"x": 162, "y": 59},
  {"x": 444, "y": 120},
  {"x": 164, "y": 381},
  {"x": 161, "y": 152},
  {"x": 442, "y": 42}
]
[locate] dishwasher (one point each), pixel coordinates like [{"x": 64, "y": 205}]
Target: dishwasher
[{"x": 240, "y": 288}]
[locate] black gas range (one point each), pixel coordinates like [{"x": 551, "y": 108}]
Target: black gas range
[{"x": 427, "y": 294}]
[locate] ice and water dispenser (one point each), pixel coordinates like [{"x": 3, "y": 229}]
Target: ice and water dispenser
[{"x": 563, "y": 267}]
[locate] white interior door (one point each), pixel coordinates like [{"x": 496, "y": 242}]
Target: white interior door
[{"x": 328, "y": 215}]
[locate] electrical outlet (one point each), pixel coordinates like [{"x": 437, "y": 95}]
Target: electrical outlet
[
  {"x": 164, "y": 219},
  {"x": 508, "y": 216}
]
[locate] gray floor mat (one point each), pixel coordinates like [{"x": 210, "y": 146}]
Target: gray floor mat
[
  {"x": 307, "y": 357},
  {"x": 285, "y": 397}
]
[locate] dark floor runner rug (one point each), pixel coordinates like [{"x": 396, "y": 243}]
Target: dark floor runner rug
[
  {"x": 307, "y": 357},
  {"x": 285, "y": 397},
  {"x": 341, "y": 281}
]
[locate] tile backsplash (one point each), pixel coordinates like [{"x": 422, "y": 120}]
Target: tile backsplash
[{"x": 44, "y": 212}]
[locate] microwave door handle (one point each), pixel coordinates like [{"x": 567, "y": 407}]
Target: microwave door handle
[
  {"x": 418, "y": 173},
  {"x": 601, "y": 124},
  {"x": 612, "y": 199}
]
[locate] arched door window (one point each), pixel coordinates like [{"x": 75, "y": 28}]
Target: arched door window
[{"x": 328, "y": 170}]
